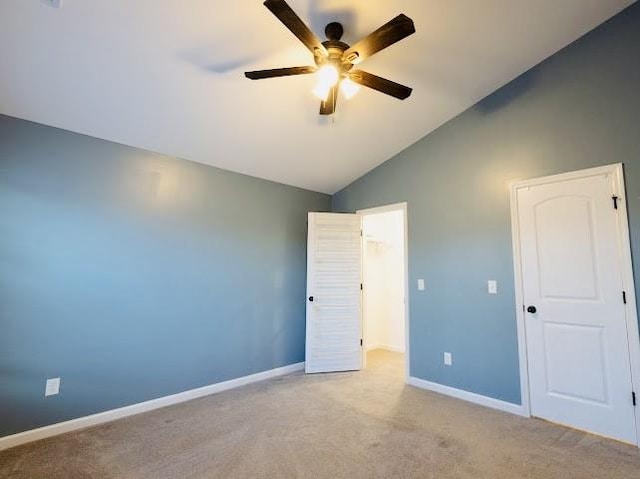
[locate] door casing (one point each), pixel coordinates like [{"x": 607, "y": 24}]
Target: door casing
[{"x": 616, "y": 173}]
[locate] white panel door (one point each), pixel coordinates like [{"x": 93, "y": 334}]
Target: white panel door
[
  {"x": 333, "y": 293},
  {"x": 576, "y": 330}
]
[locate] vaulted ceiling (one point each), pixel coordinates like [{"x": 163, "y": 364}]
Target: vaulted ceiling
[{"x": 167, "y": 75}]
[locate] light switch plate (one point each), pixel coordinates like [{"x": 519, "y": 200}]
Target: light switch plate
[
  {"x": 492, "y": 286},
  {"x": 52, "y": 387},
  {"x": 448, "y": 359},
  {"x": 421, "y": 285}
]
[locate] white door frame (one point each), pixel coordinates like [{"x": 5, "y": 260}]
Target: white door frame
[
  {"x": 385, "y": 209},
  {"x": 624, "y": 247}
]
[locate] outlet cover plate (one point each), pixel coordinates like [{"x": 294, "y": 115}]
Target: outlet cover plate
[{"x": 448, "y": 359}]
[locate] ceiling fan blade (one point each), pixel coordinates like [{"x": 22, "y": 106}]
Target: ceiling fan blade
[
  {"x": 385, "y": 36},
  {"x": 279, "y": 72},
  {"x": 328, "y": 107},
  {"x": 286, "y": 15},
  {"x": 381, "y": 84}
]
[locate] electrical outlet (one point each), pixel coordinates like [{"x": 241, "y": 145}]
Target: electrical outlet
[
  {"x": 492, "y": 286},
  {"x": 52, "y": 3},
  {"x": 52, "y": 387},
  {"x": 421, "y": 285},
  {"x": 448, "y": 359}
]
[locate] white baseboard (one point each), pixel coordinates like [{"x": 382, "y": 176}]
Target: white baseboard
[
  {"x": 468, "y": 396},
  {"x": 106, "y": 416},
  {"x": 386, "y": 347}
]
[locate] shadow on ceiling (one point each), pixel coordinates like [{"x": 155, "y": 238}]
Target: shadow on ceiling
[{"x": 225, "y": 54}]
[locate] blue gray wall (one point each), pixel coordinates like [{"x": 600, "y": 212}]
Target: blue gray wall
[
  {"x": 578, "y": 109},
  {"x": 133, "y": 275}
]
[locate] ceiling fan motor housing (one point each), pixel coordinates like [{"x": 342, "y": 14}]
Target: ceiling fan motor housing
[{"x": 335, "y": 48}]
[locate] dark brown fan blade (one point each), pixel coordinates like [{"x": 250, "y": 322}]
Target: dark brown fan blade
[
  {"x": 381, "y": 84},
  {"x": 286, "y": 15},
  {"x": 279, "y": 72},
  {"x": 329, "y": 107},
  {"x": 388, "y": 34}
]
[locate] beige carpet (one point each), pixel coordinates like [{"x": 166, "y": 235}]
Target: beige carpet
[{"x": 348, "y": 425}]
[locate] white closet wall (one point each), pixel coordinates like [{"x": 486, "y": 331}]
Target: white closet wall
[{"x": 384, "y": 281}]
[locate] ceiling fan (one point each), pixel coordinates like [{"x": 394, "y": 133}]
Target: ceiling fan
[{"x": 335, "y": 59}]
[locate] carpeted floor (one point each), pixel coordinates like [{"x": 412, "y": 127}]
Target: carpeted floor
[{"x": 364, "y": 424}]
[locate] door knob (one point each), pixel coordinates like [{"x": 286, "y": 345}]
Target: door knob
[
  {"x": 311, "y": 298},
  {"x": 531, "y": 309}
]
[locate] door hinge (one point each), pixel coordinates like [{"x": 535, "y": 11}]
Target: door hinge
[
  {"x": 615, "y": 202},
  {"x": 633, "y": 398},
  {"x": 361, "y": 287},
  {"x": 360, "y": 233},
  {"x": 361, "y": 345},
  {"x": 624, "y": 297}
]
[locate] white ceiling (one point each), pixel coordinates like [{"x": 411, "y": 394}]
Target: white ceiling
[{"x": 167, "y": 75}]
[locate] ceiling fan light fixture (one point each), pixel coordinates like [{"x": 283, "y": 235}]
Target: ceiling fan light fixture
[
  {"x": 349, "y": 88},
  {"x": 322, "y": 92},
  {"x": 334, "y": 59},
  {"x": 328, "y": 76}
]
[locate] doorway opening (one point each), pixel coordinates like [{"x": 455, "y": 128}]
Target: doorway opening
[{"x": 384, "y": 279}]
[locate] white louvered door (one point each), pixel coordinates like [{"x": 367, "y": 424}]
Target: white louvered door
[{"x": 333, "y": 293}]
